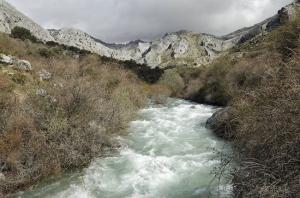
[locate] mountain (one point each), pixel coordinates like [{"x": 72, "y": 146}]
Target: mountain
[
  {"x": 174, "y": 49},
  {"x": 10, "y": 18}
]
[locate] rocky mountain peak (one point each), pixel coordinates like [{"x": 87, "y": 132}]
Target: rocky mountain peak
[{"x": 173, "y": 49}]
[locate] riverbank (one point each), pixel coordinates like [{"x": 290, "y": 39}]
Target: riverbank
[
  {"x": 168, "y": 153},
  {"x": 259, "y": 84},
  {"x": 63, "y": 109}
]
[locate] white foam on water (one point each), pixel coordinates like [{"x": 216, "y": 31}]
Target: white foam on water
[{"x": 166, "y": 154}]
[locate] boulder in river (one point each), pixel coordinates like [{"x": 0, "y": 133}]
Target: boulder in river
[{"x": 219, "y": 123}]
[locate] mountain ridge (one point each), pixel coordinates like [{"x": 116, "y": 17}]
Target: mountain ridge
[
  {"x": 11, "y": 17},
  {"x": 181, "y": 48}
]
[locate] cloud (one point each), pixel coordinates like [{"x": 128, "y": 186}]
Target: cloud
[{"x": 124, "y": 20}]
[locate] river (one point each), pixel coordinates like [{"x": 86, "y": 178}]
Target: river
[{"x": 168, "y": 153}]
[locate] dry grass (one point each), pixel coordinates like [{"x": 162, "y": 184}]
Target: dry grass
[
  {"x": 87, "y": 103},
  {"x": 262, "y": 89},
  {"x": 267, "y": 134}
]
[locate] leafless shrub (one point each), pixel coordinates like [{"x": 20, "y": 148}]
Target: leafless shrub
[
  {"x": 263, "y": 88},
  {"x": 83, "y": 107}
]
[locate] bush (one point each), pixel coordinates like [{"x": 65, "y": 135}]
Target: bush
[
  {"x": 264, "y": 119},
  {"x": 7, "y": 101},
  {"x": 149, "y": 75},
  {"x": 5, "y": 84},
  {"x": 49, "y": 52},
  {"x": 82, "y": 108},
  {"x": 173, "y": 81},
  {"x": 19, "y": 78},
  {"x": 262, "y": 90},
  {"x": 211, "y": 85},
  {"x": 267, "y": 135},
  {"x": 52, "y": 43},
  {"x": 7, "y": 106},
  {"x": 23, "y": 34},
  {"x": 76, "y": 50},
  {"x": 286, "y": 39}
]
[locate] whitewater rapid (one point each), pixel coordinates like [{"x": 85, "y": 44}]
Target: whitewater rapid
[{"x": 168, "y": 154}]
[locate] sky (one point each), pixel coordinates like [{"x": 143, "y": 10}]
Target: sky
[{"x": 126, "y": 20}]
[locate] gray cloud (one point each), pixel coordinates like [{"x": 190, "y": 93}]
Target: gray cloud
[{"x": 123, "y": 20}]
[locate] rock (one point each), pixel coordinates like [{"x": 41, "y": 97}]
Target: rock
[
  {"x": 23, "y": 65},
  {"x": 2, "y": 177},
  {"x": 18, "y": 64},
  {"x": 52, "y": 99},
  {"x": 76, "y": 56},
  {"x": 219, "y": 122},
  {"x": 44, "y": 75},
  {"x": 41, "y": 92},
  {"x": 6, "y": 59}
]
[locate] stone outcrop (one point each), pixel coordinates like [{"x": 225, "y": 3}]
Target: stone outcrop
[
  {"x": 15, "y": 63},
  {"x": 23, "y": 65},
  {"x": 4, "y": 59}
]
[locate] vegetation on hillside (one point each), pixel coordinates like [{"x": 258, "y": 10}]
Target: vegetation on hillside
[
  {"x": 23, "y": 34},
  {"x": 260, "y": 83},
  {"x": 62, "y": 122}
]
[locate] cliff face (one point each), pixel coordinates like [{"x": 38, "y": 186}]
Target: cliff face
[{"x": 174, "y": 49}]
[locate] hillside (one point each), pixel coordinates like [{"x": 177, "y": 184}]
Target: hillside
[
  {"x": 60, "y": 107},
  {"x": 258, "y": 84}
]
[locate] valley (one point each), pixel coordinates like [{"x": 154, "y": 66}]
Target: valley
[{"x": 186, "y": 115}]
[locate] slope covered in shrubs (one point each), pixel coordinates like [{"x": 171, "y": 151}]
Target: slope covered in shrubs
[
  {"x": 259, "y": 81},
  {"x": 64, "y": 112}
]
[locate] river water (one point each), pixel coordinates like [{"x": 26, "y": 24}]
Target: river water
[{"x": 167, "y": 154}]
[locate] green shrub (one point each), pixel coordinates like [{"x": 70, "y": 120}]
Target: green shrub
[
  {"x": 52, "y": 43},
  {"x": 172, "y": 80},
  {"x": 214, "y": 93},
  {"x": 49, "y": 52},
  {"x": 23, "y": 34}
]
